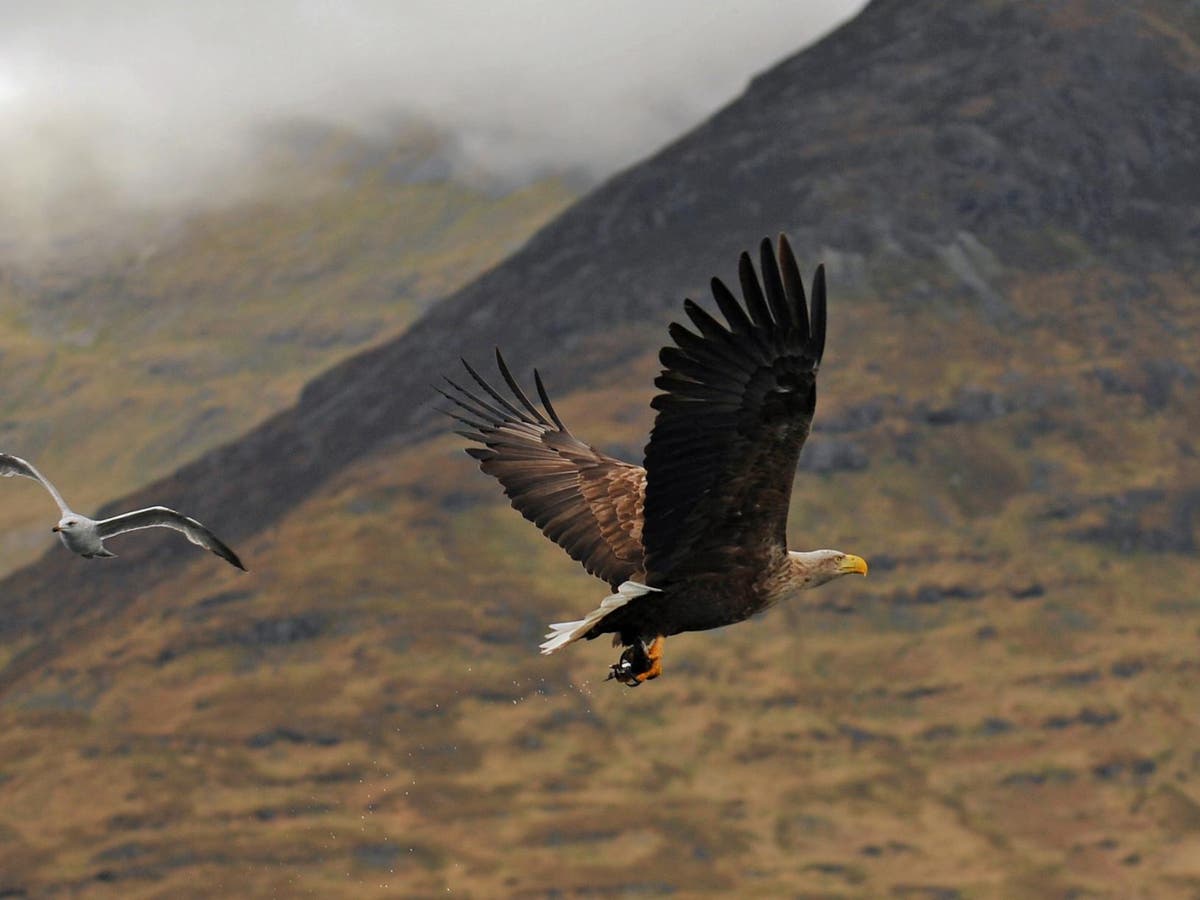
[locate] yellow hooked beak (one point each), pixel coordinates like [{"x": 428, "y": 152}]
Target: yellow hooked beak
[{"x": 852, "y": 564}]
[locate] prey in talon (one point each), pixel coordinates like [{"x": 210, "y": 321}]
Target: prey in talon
[{"x": 638, "y": 663}]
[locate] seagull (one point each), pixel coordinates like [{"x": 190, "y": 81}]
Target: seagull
[{"x": 87, "y": 536}]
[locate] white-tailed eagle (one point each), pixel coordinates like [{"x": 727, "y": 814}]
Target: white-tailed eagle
[{"x": 697, "y": 538}]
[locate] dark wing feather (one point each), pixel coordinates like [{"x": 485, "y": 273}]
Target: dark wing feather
[
  {"x": 736, "y": 407},
  {"x": 163, "y": 517},
  {"x": 586, "y": 502}
]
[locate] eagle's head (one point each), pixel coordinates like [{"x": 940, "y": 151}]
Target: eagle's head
[{"x": 813, "y": 568}]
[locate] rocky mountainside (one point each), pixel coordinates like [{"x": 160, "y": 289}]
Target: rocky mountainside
[{"x": 1005, "y": 195}]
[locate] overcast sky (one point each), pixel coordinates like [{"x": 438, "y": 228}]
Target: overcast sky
[{"x": 157, "y": 96}]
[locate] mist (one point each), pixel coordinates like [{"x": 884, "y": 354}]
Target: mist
[{"x": 144, "y": 104}]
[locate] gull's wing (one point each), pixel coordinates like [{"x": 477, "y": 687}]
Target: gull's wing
[
  {"x": 735, "y": 410},
  {"x": 161, "y": 517},
  {"x": 585, "y": 501},
  {"x": 13, "y": 465}
]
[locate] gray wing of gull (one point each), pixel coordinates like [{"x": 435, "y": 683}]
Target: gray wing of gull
[
  {"x": 162, "y": 517},
  {"x": 13, "y": 465}
]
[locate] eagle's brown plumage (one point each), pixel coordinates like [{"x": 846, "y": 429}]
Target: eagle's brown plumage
[
  {"x": 697, "y": 538},
  {"x": 586, "y": 502}
]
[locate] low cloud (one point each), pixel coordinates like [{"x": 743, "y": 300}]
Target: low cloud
[{"x": 152, "y": 102}]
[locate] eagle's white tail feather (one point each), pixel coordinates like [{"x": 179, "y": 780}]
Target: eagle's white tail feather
[{"x": 563, "y": 633}]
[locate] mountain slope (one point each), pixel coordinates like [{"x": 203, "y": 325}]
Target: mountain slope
[{"x": 1004, "y": 431}]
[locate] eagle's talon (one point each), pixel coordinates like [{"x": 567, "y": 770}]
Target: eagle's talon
[{"x": 638, "y": 663}]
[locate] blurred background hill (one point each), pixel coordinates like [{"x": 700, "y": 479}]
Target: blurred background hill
[
  {"x": 1006, "y": 197},
  {"x": 196, "y": 326}
]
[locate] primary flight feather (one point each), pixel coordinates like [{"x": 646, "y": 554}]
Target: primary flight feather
[
  {"x": 86, "y": 536},
  {"x": 697, "y": 538}
]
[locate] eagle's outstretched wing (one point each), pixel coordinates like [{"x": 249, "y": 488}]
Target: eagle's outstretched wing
[
  {"x": 735, "y": 410},
  {"x": 585, "y": 501}
]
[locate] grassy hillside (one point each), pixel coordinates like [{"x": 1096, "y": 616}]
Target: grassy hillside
[
  {"x": 1000, "y": 710},
  {"x": 125, "y": 358}
]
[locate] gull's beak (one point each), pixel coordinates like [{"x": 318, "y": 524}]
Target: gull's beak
[
  {"x": 852, "y": 564},
  {"x": 55, "y": 528}
]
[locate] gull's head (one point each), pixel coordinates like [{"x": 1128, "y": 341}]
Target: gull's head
[
  {"x": 816, "y": 567},
  {"x": 66, "y": 523}
]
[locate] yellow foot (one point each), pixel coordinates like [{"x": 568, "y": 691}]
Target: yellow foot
[{"x": 639, "y": 663}]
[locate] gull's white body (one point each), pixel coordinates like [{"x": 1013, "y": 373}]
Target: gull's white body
[
  {"x": 86, "y": 537},
  {"x": 83, "y": 537}
]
